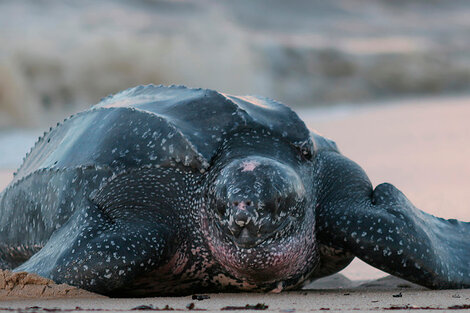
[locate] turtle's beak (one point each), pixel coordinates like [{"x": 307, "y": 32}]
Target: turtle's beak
[{"x": 244, "y": 232}]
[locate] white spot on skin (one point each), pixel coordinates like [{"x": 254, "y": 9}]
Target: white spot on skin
[{"x": 240, "y": 223}]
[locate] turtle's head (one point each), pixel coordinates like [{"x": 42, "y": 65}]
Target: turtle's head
[
  {"x": 256, "y": 222},
  {"x": 256, "y": 199}
]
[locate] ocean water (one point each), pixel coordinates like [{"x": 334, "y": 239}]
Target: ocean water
[{"x": 60, "y": 57}]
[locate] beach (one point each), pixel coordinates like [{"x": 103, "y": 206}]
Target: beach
[
  {"x": 420, "y": 146},
  {"x": 288, "y": 302}
]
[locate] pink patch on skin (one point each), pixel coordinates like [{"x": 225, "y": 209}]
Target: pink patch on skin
[{"x": 249, "y": 166}]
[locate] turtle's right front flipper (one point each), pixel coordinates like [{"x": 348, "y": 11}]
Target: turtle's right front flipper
[
  {"x": 124, "y": 232},
  {"x": 102, "y": 255}
]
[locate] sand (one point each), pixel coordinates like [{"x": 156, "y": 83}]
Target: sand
[
  {"x": 316, "y": 300},
  {"x": 24, "y": 285},
  {"x": 419, "y": 146}
]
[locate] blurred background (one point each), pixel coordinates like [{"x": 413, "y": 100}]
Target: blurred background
[
  {"x": 329, "y": 60},
  {"x": 58, "y": 57}
]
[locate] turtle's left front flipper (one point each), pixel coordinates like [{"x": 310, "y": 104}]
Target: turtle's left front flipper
[{"x": 383, "y": 228}]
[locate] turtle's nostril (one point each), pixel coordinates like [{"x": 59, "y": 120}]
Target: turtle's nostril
[{"x": 235, "y": 203}]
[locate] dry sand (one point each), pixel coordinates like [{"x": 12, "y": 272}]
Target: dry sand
[
  {"x": 421, "y": 147},
  {"x": 24, "y": 285}
]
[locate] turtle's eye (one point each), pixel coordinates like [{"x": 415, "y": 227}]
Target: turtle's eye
[
  {"x": 306, "y": 153},
  {"x": 306, "y": 150}
]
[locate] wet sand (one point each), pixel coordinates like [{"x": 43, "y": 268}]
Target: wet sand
[{"x": 419, "y": 146}]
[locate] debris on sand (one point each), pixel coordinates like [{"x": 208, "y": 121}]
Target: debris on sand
[
  {"x": 200, "y": 297},
  {"x": 259, "y": 306}
]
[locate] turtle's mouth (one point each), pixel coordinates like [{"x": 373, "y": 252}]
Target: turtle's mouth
[{"x": 246, "y": 239}]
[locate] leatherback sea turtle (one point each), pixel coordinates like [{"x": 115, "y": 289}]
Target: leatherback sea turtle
[{"x": 169, "y": 190}]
